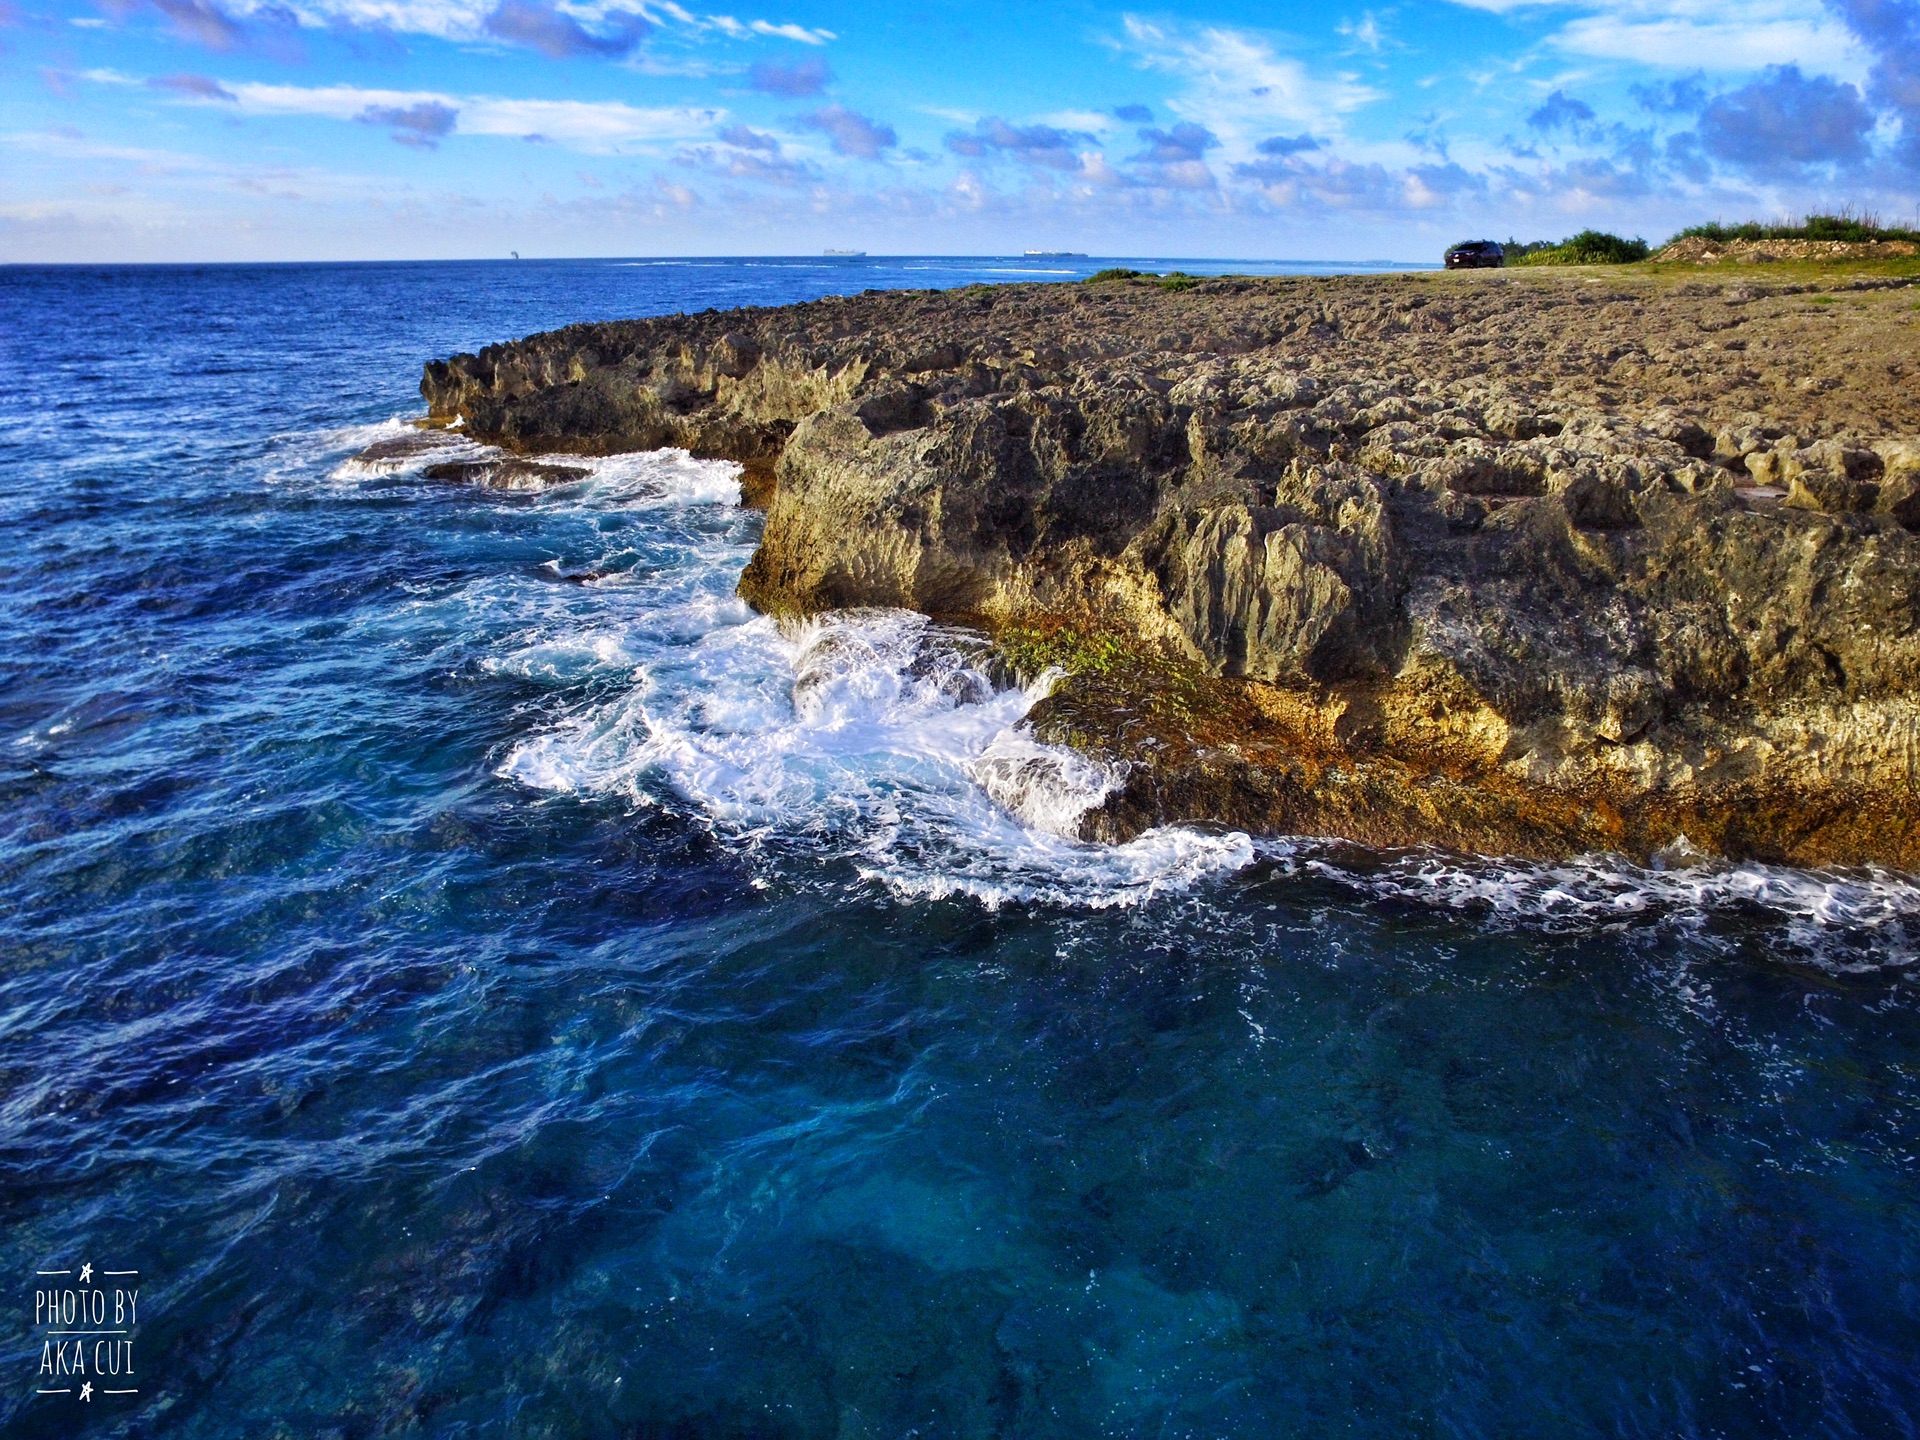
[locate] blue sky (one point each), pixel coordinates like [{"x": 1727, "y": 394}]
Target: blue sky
[{"x": 286, "y": 129}]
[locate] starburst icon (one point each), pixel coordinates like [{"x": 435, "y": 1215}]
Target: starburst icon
[
  {"x": 86, "y": 1272},
  {"x": 86, "y": 1390}
]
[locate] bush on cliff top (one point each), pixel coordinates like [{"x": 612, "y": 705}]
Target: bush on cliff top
[
  {"x": 1589, "y": 247},
  {"x": 1856, "y": 229}
]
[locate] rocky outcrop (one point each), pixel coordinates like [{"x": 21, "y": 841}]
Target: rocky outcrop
[{"x": 1521, "y": 563}]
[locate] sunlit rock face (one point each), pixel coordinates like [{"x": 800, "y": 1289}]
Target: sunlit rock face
[{"x": 1537, "y": 563}]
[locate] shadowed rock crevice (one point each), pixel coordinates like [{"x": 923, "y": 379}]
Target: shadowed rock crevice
[{"x": 1535, "y": 564}]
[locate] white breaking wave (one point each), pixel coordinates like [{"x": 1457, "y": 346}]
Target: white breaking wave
[
  {"x": 399, "y": 448},
  {"x": 1048, "y": 786},
  {"x": 1854, "y": 919},
  {"x": 1008, "y": 864},
  {"x": 646, "y": 479},
  {"x": 640, "y": 478},
  {"x": 874, "y": 733},
  {"x": 874, "y": 736}
]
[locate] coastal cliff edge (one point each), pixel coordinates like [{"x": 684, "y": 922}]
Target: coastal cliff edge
[{"x": 1537, "y": 563}]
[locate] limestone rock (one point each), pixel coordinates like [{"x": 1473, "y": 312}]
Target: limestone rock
[{"x": 1487, "y": 560}]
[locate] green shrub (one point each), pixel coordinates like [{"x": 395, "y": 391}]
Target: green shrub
[
  {"x": 1589, "y": 247},
  {"x": 1028, "y": 650},
  {"x": 1117, "y": 671},
  {"x": 1172, "y": 280},
  {"x": 1844, "y": 226},
  {"x": 1723, "y": 234}
]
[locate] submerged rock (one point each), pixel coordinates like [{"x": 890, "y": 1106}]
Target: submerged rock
[
  {"x": 1535, "y": 564},
  {"x": 505, "y": 472},
  {"x": 405, "y": 451}
]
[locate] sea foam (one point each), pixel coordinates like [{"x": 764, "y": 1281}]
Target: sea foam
[
  {"x": 874, "y": 735},
  {"x": 1854, "y": 919}
]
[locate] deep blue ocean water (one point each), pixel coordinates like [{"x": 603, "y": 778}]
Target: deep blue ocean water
[{"x": 486, "y": 982}]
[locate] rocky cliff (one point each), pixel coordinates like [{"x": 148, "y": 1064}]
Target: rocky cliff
[{"x": 1533, "y": 563}]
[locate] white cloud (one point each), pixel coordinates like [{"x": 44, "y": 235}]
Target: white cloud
[
  {"x": 443, "y": 19},
  {"x": 466, "y": 19},
  {"x": 1728, "y": 45},
  {"x": 594, "y": 126},
  {"x": 1091, "y": 122},
  {"x": 73, "y": 146},
  {"x": 737, "y": 29},
  {"x": 1238, "y": 86},
  {"x": 185, "y": 172},
  {"x": 335, "y": 102},
  {"x": 1719, "y": 35},
  {"x": 585, "y": 125},
  {"x": 1365, "y": 32},
  {"x": 794, "y": 32}
]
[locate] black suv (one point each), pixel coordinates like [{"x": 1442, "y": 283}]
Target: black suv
[{"x": 1476, "y": 255}]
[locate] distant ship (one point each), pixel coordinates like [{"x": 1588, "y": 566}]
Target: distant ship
[
  {"x": 843, "y": 252},
  {"x": 1056, "y": 254}
]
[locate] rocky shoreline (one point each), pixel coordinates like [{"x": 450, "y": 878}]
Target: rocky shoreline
[{"x": 1532, "y": 563}]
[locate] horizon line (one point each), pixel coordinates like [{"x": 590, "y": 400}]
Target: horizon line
[{"x": 1376, "y": 261}]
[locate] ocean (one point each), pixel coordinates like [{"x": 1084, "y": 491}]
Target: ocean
[{"x": 462, "y": 973}]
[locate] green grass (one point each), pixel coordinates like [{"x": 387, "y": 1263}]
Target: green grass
[
  {"x": 1818, "y": 270},
  {"x": 1101, "y": 277}
]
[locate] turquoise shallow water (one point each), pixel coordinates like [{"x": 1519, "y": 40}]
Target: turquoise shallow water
[{"x": 489, "y": 983}]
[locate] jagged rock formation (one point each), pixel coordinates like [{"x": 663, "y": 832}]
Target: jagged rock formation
[{"x": 1535, "y": 563}]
